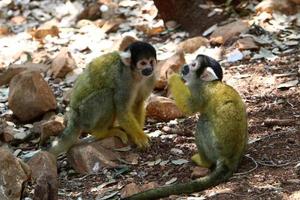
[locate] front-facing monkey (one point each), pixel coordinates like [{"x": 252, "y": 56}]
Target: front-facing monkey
[
  {"x": 221, "y": 133},
  {"x": 108, "y": 97}
]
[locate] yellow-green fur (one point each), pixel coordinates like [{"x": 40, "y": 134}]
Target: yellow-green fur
[
  {"x": 221, "y": 133},
  {"x": 107, "y": 100}
]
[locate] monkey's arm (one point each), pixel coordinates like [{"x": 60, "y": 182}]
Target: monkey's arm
[
  {"x": 139, "y": 112},
  {"x": 181, "y": 94}
]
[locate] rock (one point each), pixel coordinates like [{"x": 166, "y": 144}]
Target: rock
[
  {"x": 199, "y": 172},
  {"x": 44, "y": 174},
  {"x": 6, "y": 132},
  {"x": 91, "y": 157},
  {"x": 125, "y": 42},
  {"x": 192, "y": 44},
  {"x": 295, "y": 195},
  {"x": 224, "y": 33},
  {"x": 162, "y": 108},
  {"x": 188, "y": 14},
  {"x": 52, "y": 127},
  {"x": 111, "y": 143},
  {"x": 247, "y": 43},
  {"x": 130, "y": 189},
  {"x": 62, "y": 64},
  {"x": 297, "y": 169},
  {"x": 15, "y": 69},
  {"x": 167, "y": 67},
  {"x": 270, "y": 6},
  {"x": 295, "y": 1},
  {"x": 30, "y": 96},
  {"x": 91, "y": 12},
  {"x": 14, "y": 174}
]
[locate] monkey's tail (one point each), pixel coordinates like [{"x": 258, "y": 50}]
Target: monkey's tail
[
  {"x": 67, "y": 139},
  {"x": 219, "y": 175}
]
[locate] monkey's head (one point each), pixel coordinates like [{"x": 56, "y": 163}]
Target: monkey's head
[
  {"x": 202, "y": 68},
  {"x": 141, "y": 57}
]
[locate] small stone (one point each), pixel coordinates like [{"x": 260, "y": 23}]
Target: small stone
[
  {"x": 162, "y": 108},
  {"x": 30, "y": 96},
  {"x": 111, "y": 143},
  {"x": 52, "y": 127},
  {"x": 44, "y": 173},
  {"x": 6, "y": 132},
  {"x": 297, "y": 169},
  {"x": 294, "y": 196},
  {"x": 192, "y": 44},
  {"x": 91, "y": 157},
  {"x": 166, "y": 67},
  {"x": 175, "y": 151},
  {"x": 13, "y": 70},
  {"x": 130, "y": 189},
  {"x": 199, "y": 172},
  {"x": 62, "y": 64},
  {"x": 224, "y": 33},
  {"x": 247, "y": 43},
  {"x": 271, "y": 6}
]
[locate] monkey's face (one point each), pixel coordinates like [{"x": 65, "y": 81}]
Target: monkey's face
[
  {"x": 202, "y": 68},
  {"x": 146, "y": 66},
  {"x": 141, "y": 57}
]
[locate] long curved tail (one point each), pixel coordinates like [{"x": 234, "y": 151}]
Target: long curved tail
[
  {"x": 220, "y": 174},
  {"x": 67, "y": 139}
]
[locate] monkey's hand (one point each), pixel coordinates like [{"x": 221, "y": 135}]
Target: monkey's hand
[
  {"x": 180, "y": 93},
  {"x": 132, "y": 127}
]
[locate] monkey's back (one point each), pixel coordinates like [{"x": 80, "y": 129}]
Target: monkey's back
[
  {"x": 225, "y": 109},
  {"x": 99, "y": 74}
]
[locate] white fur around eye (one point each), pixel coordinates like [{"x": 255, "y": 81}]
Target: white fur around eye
[{"x": 194, "y": 66}]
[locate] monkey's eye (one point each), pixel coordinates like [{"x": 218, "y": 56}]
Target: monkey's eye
[
  {"x": 143, "y": 63},
  {"x": 153, "y": 62},
  {"x": 194, "y": 65}
]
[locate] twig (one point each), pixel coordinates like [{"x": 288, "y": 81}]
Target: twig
[
  {"x": 273, "y": 164},
  {"x": 249, "y": 171},
  {"x": 281, "y": 122}
]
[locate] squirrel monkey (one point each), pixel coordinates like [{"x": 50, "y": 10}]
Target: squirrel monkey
[
  {"x": 221, "y": 134},
  {"x": 108, "y": 97}
]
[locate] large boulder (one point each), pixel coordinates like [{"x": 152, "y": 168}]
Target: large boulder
[
  {"x": 30, "y": 96},
  {"x": 192, "y": 18},
  {"x": 13, "y": 174}
]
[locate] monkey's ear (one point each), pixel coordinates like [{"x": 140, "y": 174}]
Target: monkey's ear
[{"x": 126, "y": 57}]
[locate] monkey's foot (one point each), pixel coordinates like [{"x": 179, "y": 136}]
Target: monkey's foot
[
  {"x": 120, "y": 134},
  {"x": 141, "y": 140},
  {"x": 201, "y": 161}
]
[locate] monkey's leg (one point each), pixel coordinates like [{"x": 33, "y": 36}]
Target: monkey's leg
[
  {"x": 181, "y": 94},
  {"x": 68, "y": 138},
  {"x": 205, "y": 142},
  {"x": 131, "y": 126},
  {"x": 114, "y": 131},
  {"x": 140, "y": 113}
]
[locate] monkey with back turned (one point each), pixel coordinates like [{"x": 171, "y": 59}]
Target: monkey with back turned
[
  {"x": 108, "y": 97},
  {"x": 221, "y": 133}
]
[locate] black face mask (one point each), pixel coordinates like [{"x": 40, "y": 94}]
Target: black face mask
[
  {"x": 185, "y": 70},
  {"x": 147, "y": 71}
]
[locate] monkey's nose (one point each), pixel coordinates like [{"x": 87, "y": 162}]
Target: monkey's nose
[
  {"x": 185, "y": 70},
  {"x": 147, "y": 71}
]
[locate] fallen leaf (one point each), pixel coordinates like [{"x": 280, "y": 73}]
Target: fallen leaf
[
  {"x": 173, "y": 180},
  {"x": 179, "y": 161},
  {"x": 288, "y": 84}
]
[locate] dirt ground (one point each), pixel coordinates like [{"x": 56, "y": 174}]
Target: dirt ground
[{"x": 267, "y": 171}]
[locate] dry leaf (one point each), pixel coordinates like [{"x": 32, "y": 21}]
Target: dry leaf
[{"x": 40, "y": 34}]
